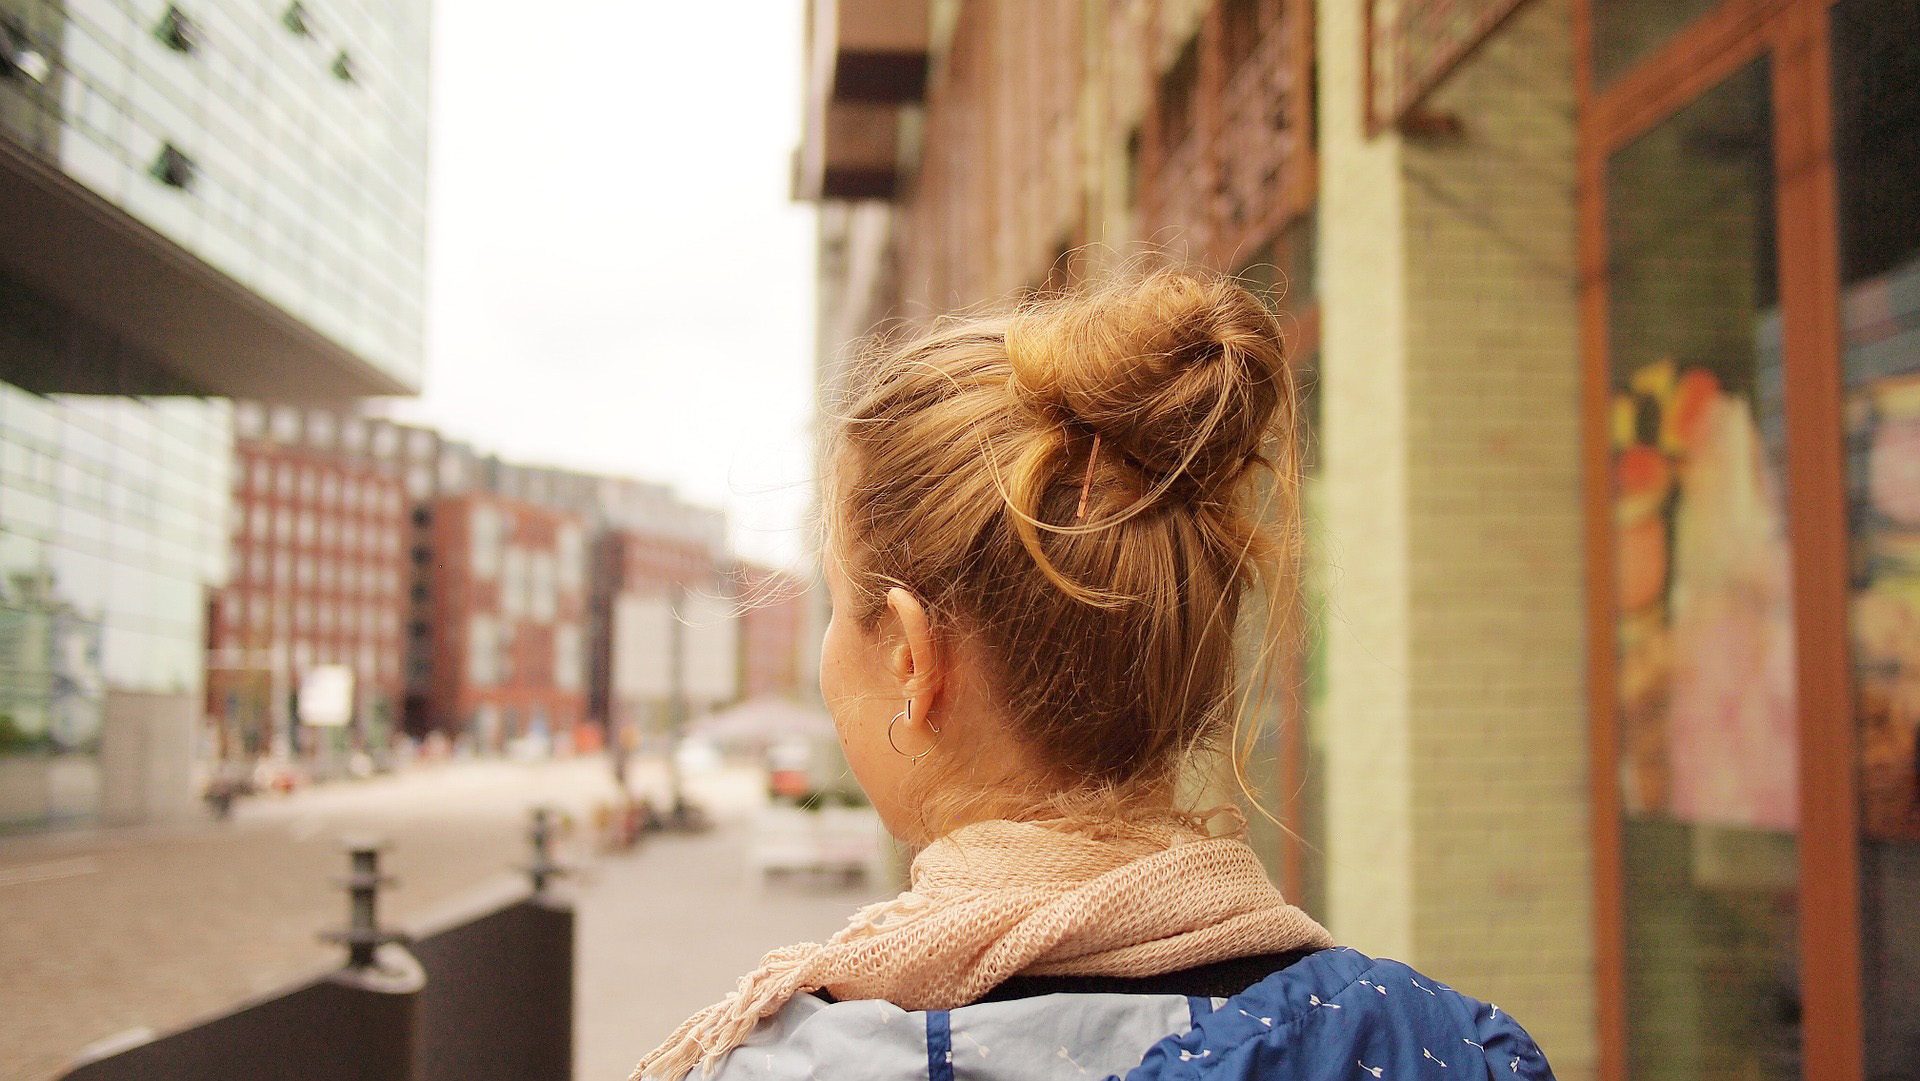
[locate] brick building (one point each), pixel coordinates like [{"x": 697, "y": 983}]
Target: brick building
[
  {"x": 508, "y": 621},
  {"x": 639, "y": 580},
  {"x": 1608, "y": 319},
  {"x": 773, "y": 622},
  {"x": 571, "y": 544},
  {"x": 317, "y": 577}
]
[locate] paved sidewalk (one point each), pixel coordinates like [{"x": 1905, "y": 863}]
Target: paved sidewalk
[
  {"x": 672, "y": 927},
  {"x": 111, "y": 931}
]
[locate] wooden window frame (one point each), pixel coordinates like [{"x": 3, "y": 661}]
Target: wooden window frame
[{"x": 1793, "y": 35}]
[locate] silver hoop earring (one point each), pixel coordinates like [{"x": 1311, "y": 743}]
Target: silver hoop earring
[{"x": 906, "y": 715}]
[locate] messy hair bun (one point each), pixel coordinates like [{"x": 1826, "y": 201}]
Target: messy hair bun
[
  {"x": 1070, "y": 486},
  {"x": 1177, "y": 371}
]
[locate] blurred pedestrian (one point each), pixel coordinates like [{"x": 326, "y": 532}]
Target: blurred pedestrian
[{"x": 1043, "y": 528}]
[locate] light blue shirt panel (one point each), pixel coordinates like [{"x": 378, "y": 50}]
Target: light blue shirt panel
[
  {"x": 1069, "y": 1038},
  {"x": 812, "y": 1040}
]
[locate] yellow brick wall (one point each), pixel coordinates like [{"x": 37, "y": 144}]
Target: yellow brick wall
[{"x": 1458, "y": 836}]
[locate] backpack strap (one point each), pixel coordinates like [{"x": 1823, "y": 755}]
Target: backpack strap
[{"x": 1220, "y": 979}]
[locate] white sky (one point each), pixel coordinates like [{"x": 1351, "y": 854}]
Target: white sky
[{"x": 617, "y": 277}]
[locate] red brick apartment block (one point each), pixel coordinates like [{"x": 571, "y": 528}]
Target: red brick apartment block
[
  {"x": 633, "y": 564},
  {"x": 508, "y": 624},
  {"x": 774, "y": 618},
  {"x": 318, "y": 578}
]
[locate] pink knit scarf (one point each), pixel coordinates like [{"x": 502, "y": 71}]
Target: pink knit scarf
[{"x": 998, "y": 899}]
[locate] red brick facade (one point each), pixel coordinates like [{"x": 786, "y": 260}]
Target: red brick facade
[
  {"x": 318, "y": 577},
  {"x": 508, "y": 625},
  {"x": 770, "y": 628}
]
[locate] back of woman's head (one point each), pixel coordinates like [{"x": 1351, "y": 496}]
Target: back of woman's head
[{"x": 1074, "y": 489}]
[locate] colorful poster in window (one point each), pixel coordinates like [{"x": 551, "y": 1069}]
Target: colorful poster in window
[
  {"x": 1883, "y": 428},
  {"x": 1706, "y": 633}
]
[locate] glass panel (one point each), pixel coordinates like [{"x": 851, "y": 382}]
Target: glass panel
[
  {"x": 1876, "y": 143},
  {"x": 1628, "y": 31},
  {"x": 1704, "y": 631}
]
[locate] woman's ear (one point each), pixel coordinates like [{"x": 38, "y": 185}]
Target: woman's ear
[{"x": 913, "y": 660}]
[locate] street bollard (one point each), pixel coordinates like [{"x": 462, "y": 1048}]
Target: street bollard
[
  {"x": 363, "y": 936},
  {"x": 358, "y": 1023},
  {"x": 543, "y": 868}
]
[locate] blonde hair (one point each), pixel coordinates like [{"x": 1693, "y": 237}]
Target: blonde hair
[{"x": 957, "y": 471}]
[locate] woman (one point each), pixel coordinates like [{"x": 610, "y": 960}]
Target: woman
[{"x": 1041, "y": 530}]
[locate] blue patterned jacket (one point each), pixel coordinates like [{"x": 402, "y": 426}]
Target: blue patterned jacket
[{"x": 1336, "y": 1015}]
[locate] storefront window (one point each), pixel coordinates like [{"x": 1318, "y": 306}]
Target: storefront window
[
  {"x": 1708, "y": 767},
  {"x": 1626, "y": 32},
  {"x": 1876, "y": 143}
]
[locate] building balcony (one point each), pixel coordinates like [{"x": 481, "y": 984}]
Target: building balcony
[{"x": 867, "y": 63}]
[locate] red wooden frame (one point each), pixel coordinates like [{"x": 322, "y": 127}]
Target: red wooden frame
[{"x": 1794, "y": 34}]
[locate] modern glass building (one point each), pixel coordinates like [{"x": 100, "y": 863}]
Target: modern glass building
[{"x": 202, "y": 200}]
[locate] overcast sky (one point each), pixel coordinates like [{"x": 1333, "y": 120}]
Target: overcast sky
[{"x": 618, "y": 279}]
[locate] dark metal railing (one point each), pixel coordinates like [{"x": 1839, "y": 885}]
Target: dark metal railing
[{"x": 484, "y": 995}]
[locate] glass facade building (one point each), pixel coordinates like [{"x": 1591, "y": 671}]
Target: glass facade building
[
  {"x": 203, "y": 200},
  {"x": 113, "y": 520},
  {"x": 282, "y": 145}
]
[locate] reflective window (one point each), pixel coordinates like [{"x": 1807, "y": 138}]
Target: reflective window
[
  {"x": 1876, "y": 142},
  {"x": 1706, "y": 706},
  {"x": 1628, "y": 31}
]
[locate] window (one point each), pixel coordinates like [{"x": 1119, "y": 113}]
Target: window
[
  {"x": 1176, "y": 97},
  {"x": 514, "y": 583},
  {"x": 173, "y": 167},
  {"x": 286, "y": 426},
  {"x": 571, "y": 559},
  {"x": 295, "y": 19},
  {"x": 542, "y": 603},
  {"x": 483, "y": 651},
  {"x": 1241, "y": 26},
  {"x": 1876, "y": 143},
  {"x": 486, "y": 541},
  {"x": 567, "y": 674},
  {"x": 248, "y": 421},
  {"x": 1704, "y": 634}
]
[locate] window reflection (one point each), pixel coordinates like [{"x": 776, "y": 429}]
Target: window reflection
[
  {"x": 1876, "y": 109},
  {"x": 1704, "y": 632}
]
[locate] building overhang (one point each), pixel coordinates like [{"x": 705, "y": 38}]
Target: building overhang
[
  {"x": 132, "y": 312},
  {"x": 867, "y": 62}
]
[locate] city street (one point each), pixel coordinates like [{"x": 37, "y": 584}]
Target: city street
[{"x": 109, "y": 932}]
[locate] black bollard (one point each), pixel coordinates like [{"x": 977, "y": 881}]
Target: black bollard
[
  {"x": 358, "y": 1023},
  {"x": 363, "y": 936}
]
